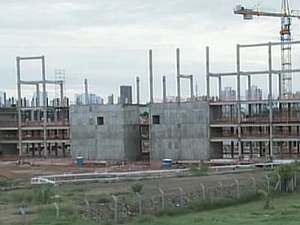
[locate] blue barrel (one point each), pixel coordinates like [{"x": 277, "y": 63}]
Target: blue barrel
[
  {"x": 80, "y": 161},
  {"x": 167, "y": 163}
]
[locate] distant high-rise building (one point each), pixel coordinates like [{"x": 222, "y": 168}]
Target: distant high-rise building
[
  {"x": 125, "y": 95},
  {"x": 2, "y": 98},
  {"x": 110, "y": 99},
  {"x": 93, "y": 99},
  {"x": 254, "y": 93},
  {"x": 227, "y": 94}
]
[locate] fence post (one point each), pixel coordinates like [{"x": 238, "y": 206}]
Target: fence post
[
  {"x": 221, "y": 188},
  {"x": 23, "y": 216},
  {"x": 278, "y": 185},
  {"x": 203, "y": 191},
  {"x": 237, "y": 188},
  {"x": 254, "y": 184},
  {"x": 181, "y": 196},
  {"x": 57, "y": 210},
  {"x": 140, "y": 203},
  {"x": 115, "y": 208},
  {"x": 295, "y": 179},
  {"x": 268, "y": 182},
  {"x": 88, "y": 208},
  {"x": 162, "y": 198}
]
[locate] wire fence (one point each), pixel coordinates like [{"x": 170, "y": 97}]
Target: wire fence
[{"x": 124, "y": 207}]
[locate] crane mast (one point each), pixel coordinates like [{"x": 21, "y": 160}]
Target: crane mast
[
  {"x": 286, "y": 15},
  {"x": 286, "y": 51}
]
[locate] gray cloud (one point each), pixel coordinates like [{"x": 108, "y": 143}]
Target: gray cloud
[{"x": 108, "y": 41}]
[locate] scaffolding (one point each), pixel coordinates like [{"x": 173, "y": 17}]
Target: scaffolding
[{"x": 264, "y": 127}]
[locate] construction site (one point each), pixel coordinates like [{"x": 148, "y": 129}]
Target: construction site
[{"x": 194, "y": 129}]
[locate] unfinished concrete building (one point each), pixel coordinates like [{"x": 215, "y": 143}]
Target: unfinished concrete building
[
  {"x": 106, "y": 132},
  {"x": 258, "y": 127},
  {"x": 37, "y": 129},
  {"x": 179, "y": 130}
]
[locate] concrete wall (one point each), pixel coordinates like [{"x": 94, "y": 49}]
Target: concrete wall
[
  {"x": 116, "y": 139},
  {"x": 182, "y": 133}
]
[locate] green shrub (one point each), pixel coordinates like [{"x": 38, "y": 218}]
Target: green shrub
[
  {"x": 137, "y": 187},
  {"x": 200, "y": 171}
]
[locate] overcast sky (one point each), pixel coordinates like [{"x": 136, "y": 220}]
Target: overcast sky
[{"x": 107, "y": 41}]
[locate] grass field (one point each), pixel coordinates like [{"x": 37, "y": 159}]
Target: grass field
[{"x": 284, "y": 210}]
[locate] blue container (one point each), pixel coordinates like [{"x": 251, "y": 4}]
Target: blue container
[
  {"x": 80, "y": 161},
  {"x": 167, "y": 163}
]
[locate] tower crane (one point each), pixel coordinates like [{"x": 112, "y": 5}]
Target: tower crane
[{"x": 285, "y": 37}]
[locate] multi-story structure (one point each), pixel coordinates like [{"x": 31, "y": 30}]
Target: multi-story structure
[
  {"x": 125, "y": 94},
  {"x": 258, "y": 127},
  {"x": 35, "y": 131}
]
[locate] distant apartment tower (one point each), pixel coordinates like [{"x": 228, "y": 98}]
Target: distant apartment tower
[
  {"x": 228, "y": 94},
  {"x": 125, "y": 95},
  {"x": 93, "y": 99},
  {"x": 2, "y": 98},
  {"x": 110, "y": 99},
  {"x": 254, "y": 93}
]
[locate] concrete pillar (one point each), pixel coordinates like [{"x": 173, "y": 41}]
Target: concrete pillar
[
  {"x": 207, "y": 74},
  {"x": 232, "y": 149},
  {"x": 86, "y": 92},
  {"x": 32, "y": 115},
  {"x": 64, "y": 149},
  {"x": 251, "y": 149},
  {"x": 19, "y": 106},
  {"x": 220, "y": 86},
  {"x": 33, "y": 149},
  {"x": 44, "y": 105},
  {"x": 178, "y": 73},
  {"x": 192, "y": 87},
  {"x": 151, "y": 76},
  {"x": 56, "y": 149},
  {"x": 137, "y": 90},
  {"x": 61, "y": 94},
  {"x": 164, "y": 89},
  {"x": 39, "y": 149}
]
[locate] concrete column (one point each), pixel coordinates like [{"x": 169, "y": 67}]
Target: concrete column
[
  {"x": 251, "y": 149},
  {"x": 64, "y": 149},
  {"x": 86, "y": 92},
  {"x": 32, "y": 115},
  {"x": 220, "y": 86},
  {"x": 207, "y": 74},
  {"x": 270, "y": 99},
  {"x": 164, "y": 89},
  {"x": 44, "y": 106},
  {"x": 61, "y": 94},
  {"x": 138, "y": 90},
  {"x": 39, "y": 150},
  {"x": 19, "y": 106},
  {"x": 249, "y": 85},
  {"x": 238, "y": 66},
  {"x": 192, "y": 87},
  {"x": 178, "y": 73},
  {"x": 232, "y": 149},
  {"x": 56, "y": 149},
  {"x": 151, "y": 76},
  {"x": 33, "y": 149}
]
